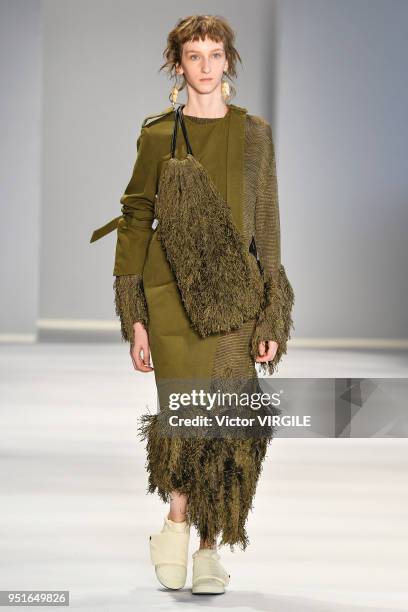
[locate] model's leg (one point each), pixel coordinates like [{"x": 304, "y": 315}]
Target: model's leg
[
  {"x": 177, "y": 514},
  {"x": 169, "y": 548},
  {"x": 178, "y": 505}
]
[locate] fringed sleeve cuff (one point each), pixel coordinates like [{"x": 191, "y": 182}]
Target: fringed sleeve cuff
[
  {"x": 275, "y": 319},
  {"x": 130, "y": 304}
]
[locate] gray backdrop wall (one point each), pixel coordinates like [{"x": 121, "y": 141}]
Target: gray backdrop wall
[
  {"x": 20, "y": 166},
  {"x": 80, "y": 76}
]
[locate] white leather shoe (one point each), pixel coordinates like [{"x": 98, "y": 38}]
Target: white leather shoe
[
  {"x": 169, "y": 553},
  {"x": 209, "y": 576}
]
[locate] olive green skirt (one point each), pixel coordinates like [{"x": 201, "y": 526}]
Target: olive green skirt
[{"x": 219, "y": 475}]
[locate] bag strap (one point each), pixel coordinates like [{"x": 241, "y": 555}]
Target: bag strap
[{"x": 179, "y": 119}]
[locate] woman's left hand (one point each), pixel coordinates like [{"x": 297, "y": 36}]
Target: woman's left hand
[{"x": 266, "y": 353}]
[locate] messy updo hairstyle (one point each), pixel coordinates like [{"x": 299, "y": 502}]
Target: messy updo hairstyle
[{"x": 195, "y": 27}]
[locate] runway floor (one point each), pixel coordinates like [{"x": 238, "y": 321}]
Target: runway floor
[{"x": 329, "y": 527}]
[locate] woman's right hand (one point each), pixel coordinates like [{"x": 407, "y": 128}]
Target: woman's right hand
[{"x": 141, "y": 343}]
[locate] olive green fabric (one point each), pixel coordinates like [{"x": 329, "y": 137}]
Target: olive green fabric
[
  {"x": 177, "y": 350},
  {"x": 253, "y": 199},
  {"x": 237, "y": 151},
  {"x": 218, "y": 144},
  {"x": 219, "y": 287},
  {"x": 223, "y": 136},
  {"x": 130, "y": 304},
  {"x": 135, "y": 227}
]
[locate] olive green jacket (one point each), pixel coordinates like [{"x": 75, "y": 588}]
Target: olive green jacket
[{"x": 253, "y": 197}]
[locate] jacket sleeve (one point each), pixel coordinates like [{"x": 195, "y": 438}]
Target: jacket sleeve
[
  {"x": 134, "y": 231},
  {"x": 130, "y": 304},
  {"x": 275, "y": 319},
  {"x": 135, "y": 224},
  {"x": 133, "y": 237}
]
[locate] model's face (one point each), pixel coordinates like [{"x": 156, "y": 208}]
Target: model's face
[{"x": 202, "y": 63}]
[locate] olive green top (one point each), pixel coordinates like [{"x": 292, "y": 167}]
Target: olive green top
[
  {"x": 210, "y": 138},
  {"x": 153, "y": 150},
  {"x": 209, "y": 142},
  {"x": 238, "y": 152}
]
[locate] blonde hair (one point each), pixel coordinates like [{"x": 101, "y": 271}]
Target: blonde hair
[{"x": 195, "y": 27}]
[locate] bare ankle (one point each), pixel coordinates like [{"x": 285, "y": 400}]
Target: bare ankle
[
  {"x": 178, "y": 507},
  {"x": 176, "y": 518},
  {"x": 208, "y": 545}
]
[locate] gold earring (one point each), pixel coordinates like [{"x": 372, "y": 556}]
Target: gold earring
[
  {"x": 173, "y": 94},
  {"x": 225, "y": 88}
]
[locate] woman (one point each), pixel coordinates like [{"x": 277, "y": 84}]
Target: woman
[{"x": 209, "y": 482}]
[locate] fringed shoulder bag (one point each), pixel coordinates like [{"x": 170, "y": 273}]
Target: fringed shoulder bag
[{"x": 219, "y": 287}]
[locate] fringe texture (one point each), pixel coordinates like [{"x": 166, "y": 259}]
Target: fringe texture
[
  {"x": 275, "y": 320},
  {"x": 219, "y": 476},
  {"x": 208, "y": 256},
  {"x": 130, "y": 304}
]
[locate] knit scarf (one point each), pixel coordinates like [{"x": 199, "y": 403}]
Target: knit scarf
[{"x": 218, "y": 279}]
